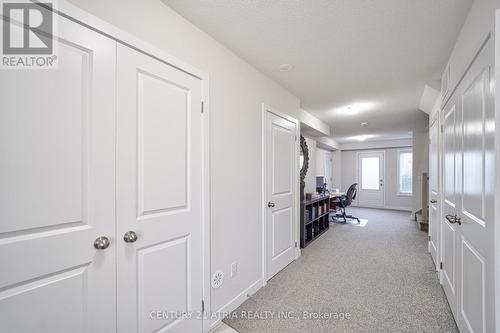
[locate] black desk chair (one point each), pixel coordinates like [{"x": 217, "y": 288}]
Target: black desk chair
[{"x": 345, "y": 201}]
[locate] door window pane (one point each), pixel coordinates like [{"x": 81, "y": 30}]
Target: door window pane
[
  {"x": 370, "y": 175},
  {"x": 405, "y": 172}
]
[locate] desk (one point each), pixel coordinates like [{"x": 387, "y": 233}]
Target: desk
[{"x": 333, "y": 196}]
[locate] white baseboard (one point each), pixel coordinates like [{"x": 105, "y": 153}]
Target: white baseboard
[
  {"x": 406, "y": 209},
  {"x": 214, "y": 327},
  {"x": 236, "y": 302}
]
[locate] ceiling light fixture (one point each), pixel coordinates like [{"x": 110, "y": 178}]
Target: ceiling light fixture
[
  {"x": 350, "y": 111},
  {"x": 286, "y": 67},
  {"x": 361, "y": 137},
  {"x": 354, "y": 109},
  {"x": 364, "y": 123}
]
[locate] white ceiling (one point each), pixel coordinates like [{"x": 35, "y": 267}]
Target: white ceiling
[{"x": 374, "y": 56}]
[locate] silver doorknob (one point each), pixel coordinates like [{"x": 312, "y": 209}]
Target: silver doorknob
[
  {"x": 270, "y": 204},
  {"x": 130, "y": 236},
  {"x": 101, "y": 243},
  {"x": 453, "y": 219}
]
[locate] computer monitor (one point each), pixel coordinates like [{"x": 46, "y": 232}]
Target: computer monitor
[{"x": 320, "y": 184}]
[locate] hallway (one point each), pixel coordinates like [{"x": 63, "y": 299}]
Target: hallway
[{"x": 379, "y": 278}]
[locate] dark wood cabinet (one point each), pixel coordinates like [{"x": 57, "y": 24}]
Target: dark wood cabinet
[{"x": 314, "y": 219}]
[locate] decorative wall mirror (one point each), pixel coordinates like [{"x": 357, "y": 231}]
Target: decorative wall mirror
[{"x": 304, "y": 164}]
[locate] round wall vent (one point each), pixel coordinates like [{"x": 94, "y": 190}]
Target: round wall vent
[{"x": 217, "y": 279}]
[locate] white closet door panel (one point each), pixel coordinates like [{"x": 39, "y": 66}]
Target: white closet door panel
[
  {"x": 434, "y": 222},
  {"x": 159, "y": 192},
  {"x": 476, "y": 300},
  {"x": 162, "y": 144},
  {"x": 280, "y": 181},
  {"x": 449, "y": 230},
  {"x": 57, "y": 137}
]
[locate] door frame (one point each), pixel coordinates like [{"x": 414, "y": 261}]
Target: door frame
[
  {"x": 496, "y": 99},
  {"x": 440, "y": 119},
  {"x": 358, "y": 172},
  {"x": 435, "y": 119},
  {"x": 79, "y": 16},
  {"x": 265, "y": 109}
]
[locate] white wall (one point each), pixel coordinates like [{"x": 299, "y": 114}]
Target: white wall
[
  {"x": 392, "y": 197},
  {"x": 328, "y": 143},
  {"x": 337, "y": 169},
  {"x": 313, "y": 122},
  {"x": 420, "y": 165},
  {"x": 349, "y": 175},
  {"x": 320, "y": 161},
  {"x": 237, "y": 91},
  {"x": 349, "y": 171}
]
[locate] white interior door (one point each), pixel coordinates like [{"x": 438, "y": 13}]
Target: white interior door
[
  {"x": 449, "y": 230},
  {"x": 57, "y": 145},
  {"x": 434, "y": 222},
  {"x": 281, "y": 177},
  {"x": 324, "y": 165},
  {"x": 476, "y": 205},
  {"x": 329, "y": 169},
  {"x": 159, "y": 196},
  {"x": 371, "y": 179}
]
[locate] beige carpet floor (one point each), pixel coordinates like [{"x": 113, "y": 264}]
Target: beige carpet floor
[{"x": 373, "y": 277}]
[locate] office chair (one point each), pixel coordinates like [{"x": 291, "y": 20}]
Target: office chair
[{"x": 345, "y": 201}]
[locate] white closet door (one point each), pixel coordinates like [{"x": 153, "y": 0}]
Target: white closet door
[
  {"x": 57, "y": 137},
  {"x": 159, "y": 192},
  {"x": 434, "y": 222},
  {"x": 476, "y": 208},
  {"x": 449, "y": 236},
  {"x": 469, "y": 178}
]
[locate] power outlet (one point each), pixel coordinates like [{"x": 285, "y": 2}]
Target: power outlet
[{"x": 234, "y": 269}]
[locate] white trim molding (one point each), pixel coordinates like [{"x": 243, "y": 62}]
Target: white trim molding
[
  {"x": 217, "y": 317},
  {"x": 496, "y": 241},
  {"x": 404, "y": 151}
]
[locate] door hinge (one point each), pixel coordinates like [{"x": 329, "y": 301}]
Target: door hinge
[
  {"x": 202, "y": 107},
  {"x": 442, "y": 128},
  {"x": 202, "y": 306},
  {"x": 441, "y": 265},
  {"x": 429, "y": 238},
  {"x": 295, "y": 244},
  {"x": 295, "y": 138}
]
